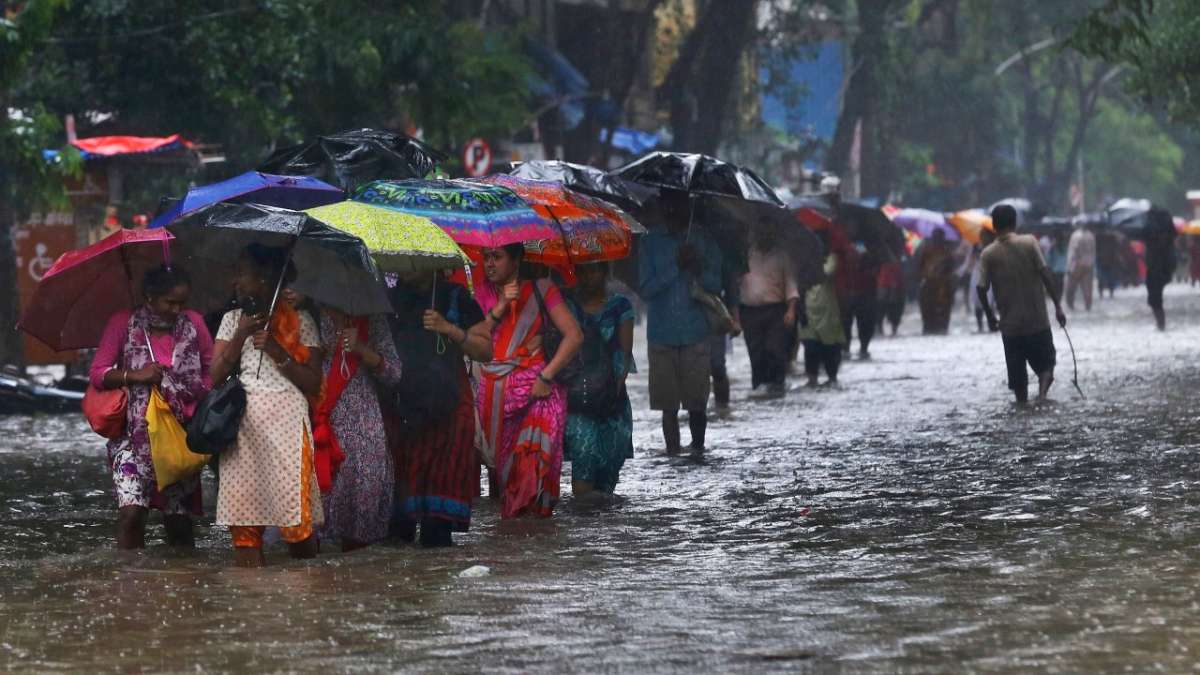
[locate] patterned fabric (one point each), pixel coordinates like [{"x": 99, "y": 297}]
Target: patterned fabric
[
  {"x": 592, "y": 230},
  {"x": 251, "y": 536},
  {"x": 182, "y": 386},
  {"x": 360, "y": 503},
  {"x": 437, "y": 468},
  {"x": 263, "y": 476},
  {"x": 471, "y": 213},
  {"x": 598, "y": 447},
  {"x": 525, "y": 433},
  {"x": 400, "y": 242}
]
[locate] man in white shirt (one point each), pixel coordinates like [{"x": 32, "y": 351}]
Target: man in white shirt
[
  {"x": 769, "y": 296},
  {"x": 1081, "y": 264}
]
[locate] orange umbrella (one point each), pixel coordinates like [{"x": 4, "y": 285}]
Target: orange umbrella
[
  {"x": 593, "y": 230},
  {"x": 971, "y": 224}
]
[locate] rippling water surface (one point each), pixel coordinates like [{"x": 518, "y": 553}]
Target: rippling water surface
[{"x": 912, "y": 520}]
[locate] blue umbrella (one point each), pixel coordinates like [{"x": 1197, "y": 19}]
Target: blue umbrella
[{"x": 288, "y": 192}]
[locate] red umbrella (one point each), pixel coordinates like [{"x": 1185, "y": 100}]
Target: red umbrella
[{"x": 85, "y": 287}]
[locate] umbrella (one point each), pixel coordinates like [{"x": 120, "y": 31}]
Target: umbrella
[
  {"x": 872, "y": 228},
  {"x": 592, "y": 230},
  {"x": 698, "y": 174},
  {"x": 289, "y": 192},
  {"x": 971, "y": 224},
  {"x": 333, "y": 267},
  {"x": 814, "y": 212},
  {"x": 1130, "y": 216},
  {"x": 802, "y": 246},
  {"x": 85, "y": 287},
  {"x": 352, "y": 158},
  {"x": 1026, "y": 211},
  {"x": 1049, "y": 226},
  {"x": 472, "y": 213},
  {"x": 583, "y": 178},
  {"x": 925, "y": 222},
  {"x": 400, "y": 242}
]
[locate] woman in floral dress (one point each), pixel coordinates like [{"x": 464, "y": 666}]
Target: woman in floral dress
[{"x": 348, "y": 423}]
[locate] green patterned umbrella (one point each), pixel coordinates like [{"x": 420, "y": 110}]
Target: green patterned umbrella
[{"x": 399, "y": 242}]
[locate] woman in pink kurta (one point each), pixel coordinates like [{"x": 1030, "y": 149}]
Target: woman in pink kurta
[{"x": 158, "y": 344}]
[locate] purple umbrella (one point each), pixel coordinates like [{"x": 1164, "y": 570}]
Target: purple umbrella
[
  {"x": 288, "y": 192},
  {"x": 924, "y": 223}
]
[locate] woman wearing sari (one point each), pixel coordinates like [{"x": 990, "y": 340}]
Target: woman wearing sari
[
  {"x": 348, "y": 428},
  {"x": 267, "y": 477},
  {"x": 522, "y": 409},
  {"x": 178, "y": 366}
]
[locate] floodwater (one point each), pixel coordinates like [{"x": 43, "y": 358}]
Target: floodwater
[{"x": 912, "y": 520}]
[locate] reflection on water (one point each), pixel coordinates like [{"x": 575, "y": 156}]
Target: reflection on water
[{"x": 909, "y": 521}]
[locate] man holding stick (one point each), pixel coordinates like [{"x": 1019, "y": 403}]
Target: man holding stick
[{"x": 1013, "y": 267}]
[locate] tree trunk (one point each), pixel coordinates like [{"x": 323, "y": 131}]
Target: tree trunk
[
  {"x": 11, "y": 349},
  {"x": 702, "y": 79},
  {"x": 866, "y": 99}
]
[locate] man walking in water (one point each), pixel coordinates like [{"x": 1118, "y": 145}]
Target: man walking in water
[{"x": 1013, "y": 267}]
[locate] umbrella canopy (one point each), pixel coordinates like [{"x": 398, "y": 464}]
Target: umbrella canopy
[
  {"x": 85, "y": 287},
  {"x": 591, "y": 230},
  {"x": 814, "y": 212},
  {"x": 971, "y": 224},
  {"x": 698, "y": 174},
  {"x": 583, "y": 178},
  {"x": 869, "y": 226},
  {"x": 471, "y": 213},
  {"x": 352, "y": 158},
  {"x": 400, "y": 242},
  {"x": 800, "y": 244},
  {"x": 925, "y": 222},
  {"x": 1130, "y": 216},
  {"x": 333, "y": 267},
  {"x": 289, "y": 192}
]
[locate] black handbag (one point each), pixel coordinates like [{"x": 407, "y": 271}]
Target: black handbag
[
  {"x": 594, "y": 391},
  {"x": 215, "y": 425},
  {"x": 551, "y": 339}
]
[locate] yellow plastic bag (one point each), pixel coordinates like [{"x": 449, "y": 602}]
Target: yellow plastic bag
[{"x": 173, "y": 461}]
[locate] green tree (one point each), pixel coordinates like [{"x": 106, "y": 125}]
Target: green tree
[{"x": 27, "y": 180}]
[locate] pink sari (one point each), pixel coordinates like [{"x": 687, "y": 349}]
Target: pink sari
[{"x": 525, "y": 433}]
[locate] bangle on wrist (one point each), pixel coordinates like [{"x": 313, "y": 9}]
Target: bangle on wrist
[
  {"x": 543, "y": 378},
  {"x": 125, "y": 377},
  {"x": 495, "y": 319}
]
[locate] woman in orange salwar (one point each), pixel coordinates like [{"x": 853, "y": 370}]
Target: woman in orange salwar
[
  {"x": 267, "y": 476},
  {"x": 521, "y": 408}
]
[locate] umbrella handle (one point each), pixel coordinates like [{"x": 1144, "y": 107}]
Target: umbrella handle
[{"x": 275, "y": 299}]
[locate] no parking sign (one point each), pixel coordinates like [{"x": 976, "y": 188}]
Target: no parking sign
[{"x": 476, "y": 157}]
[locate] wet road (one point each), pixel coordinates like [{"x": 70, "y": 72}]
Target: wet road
[{"x": 910, "y": 521}]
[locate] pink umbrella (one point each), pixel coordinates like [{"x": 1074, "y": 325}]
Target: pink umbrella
[{"x": 84, "y": 287}]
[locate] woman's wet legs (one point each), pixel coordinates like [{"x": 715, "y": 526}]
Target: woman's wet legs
[{"x": 131, "y": 527}]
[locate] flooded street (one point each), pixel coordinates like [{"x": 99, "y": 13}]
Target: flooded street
[{"x": 910, "y": 521}]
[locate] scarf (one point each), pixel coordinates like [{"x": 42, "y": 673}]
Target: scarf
[{"x": 328, "y": 454}]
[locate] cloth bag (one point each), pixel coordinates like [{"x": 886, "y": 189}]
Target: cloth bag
[
  {"x": 105, "y": 410},
  {"x": 173, "y": 461},
  {"x": 215, "y": 425},
  {"x": 720, "y": 321}
]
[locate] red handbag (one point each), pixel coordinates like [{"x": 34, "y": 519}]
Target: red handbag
[{"x": 105, "y": 410}]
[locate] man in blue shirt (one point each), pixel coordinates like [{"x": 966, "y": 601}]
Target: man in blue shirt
[{"x": 670, "y": 260}]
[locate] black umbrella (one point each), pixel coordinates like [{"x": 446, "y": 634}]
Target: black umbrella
[
  {"x": 698, "y": 175},
  {"x": 1130, "y": 217},
  {"x": 332, "y": 267},
  {"x": 871, "y": 227},
  {"x": 1049, "y": 226},
  {"x": 583, "y": 178},
  {"x": 351, "y": 158},
  {"x": 801, "y": 245}
]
